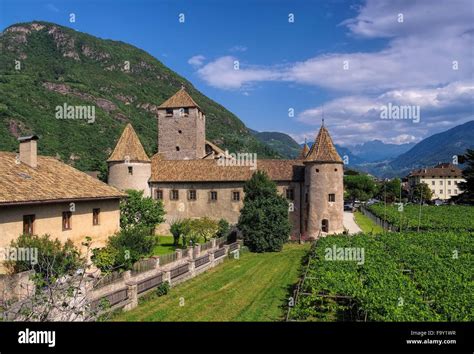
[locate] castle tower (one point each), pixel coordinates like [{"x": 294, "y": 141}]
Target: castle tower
[
  {"x": 181, "y": 128},
  {"x": 129, "y": 165},
  {"x": 324, "y": 187},
  {"x": 304, "y": 151}
]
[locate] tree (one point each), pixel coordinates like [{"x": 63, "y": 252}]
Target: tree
[
  {"x": 468, "y": 174},
  {"x": 137, "y": 210},
  {"x": 361, "y": 187},
  {"x": 264, "y": 217},
  {"x": 390, "y": 190},
  {"x": 421, "y": 191}
]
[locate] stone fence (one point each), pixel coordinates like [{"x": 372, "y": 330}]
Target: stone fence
[{"x": 124, "y": 291}]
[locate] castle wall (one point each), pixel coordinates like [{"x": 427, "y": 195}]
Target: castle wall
[
  {"x": 186, "y": 133},
  {"x": 223, "y": 208},
  {"x": 322, "y": 179},
  {"x": 120, "y": 177}
]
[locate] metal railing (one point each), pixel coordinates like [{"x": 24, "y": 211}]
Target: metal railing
[
  {"x": 201, "y": 261},
  {"x": 168, "y": 258},
  {"x": 176, "y": 272},
  {"x": 143, "y": 266},
  {"x": 149, "y": 283},
  {"x": 108, "y": 279}
]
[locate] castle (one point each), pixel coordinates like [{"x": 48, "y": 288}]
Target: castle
[{"x": 186, "y": 173}]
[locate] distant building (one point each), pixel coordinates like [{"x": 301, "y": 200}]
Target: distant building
[
  {"x": 41, "y": 195},
  {"x": 189, "y": 176},
  {"x": 443, "y": 180}
]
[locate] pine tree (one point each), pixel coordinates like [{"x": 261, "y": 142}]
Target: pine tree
[{"x": 468, "y": 174}]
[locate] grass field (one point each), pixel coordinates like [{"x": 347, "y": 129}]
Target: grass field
[
  {"x": 252, "y": 288},
  {"x": 367, "y": 225}
]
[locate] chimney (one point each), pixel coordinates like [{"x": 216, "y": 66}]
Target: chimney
[{"x": 28, "y": 150}]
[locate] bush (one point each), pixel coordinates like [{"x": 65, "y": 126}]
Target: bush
[
  {"x": 55, "y": 259},
  {"x": 264, "y": 218},
  {"x": 124, "y": 249},
  {"x": 223, "y": 228},
  {"x": 105, "y": 258},
  {"x": 203, "y": 228},
  {"x": 163, "y": 288},
  {"x": 180, "y": 228}
]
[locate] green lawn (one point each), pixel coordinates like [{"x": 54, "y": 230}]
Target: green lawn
[
  {"x": 165, "y": 246},
  {"x": 367, "y": 225},
  {"x": 252, "y": 288}
]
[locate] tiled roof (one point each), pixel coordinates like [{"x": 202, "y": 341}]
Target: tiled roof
[
  {"x": 323, "y": 148},
  {"x": 129, "y": 147},
  {"x": 51, "y": 180},
  {"x": 304, "y": 152},
  {"x": 180, "y": 99},
  {"x": 442, "y": 170},
  {"x": 210, "y": 171}
]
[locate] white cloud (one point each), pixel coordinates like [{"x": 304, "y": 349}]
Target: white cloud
[{"x": 197, "y": 60}]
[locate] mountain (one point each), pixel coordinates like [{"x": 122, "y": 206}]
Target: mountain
[
  {"x": 376, "y": 150},
  {"x": 44, "y": 66},
  {"x": 282, "y": 143},
  {"x": 440, "y": 147}
]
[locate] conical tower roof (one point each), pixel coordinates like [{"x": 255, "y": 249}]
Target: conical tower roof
[
  {"x": 180, "y": 99},
  {"x": 304, "y": 151},
  {"x": 323, "y": 149},
  {"x": 129, "y": 147}
]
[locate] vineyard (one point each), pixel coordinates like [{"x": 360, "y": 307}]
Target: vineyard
[
  {"x": 448, "y": 217},
  {"x": 403, "y": 277}
]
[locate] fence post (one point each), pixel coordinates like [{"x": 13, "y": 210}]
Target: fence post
[
  {"x": 211, "y": 258},
  {"x": 214, "y": 242},
  {"x": 190, "y": 252},
  {"x": 197, "y": 251},
  {"x": 167, "y": 276},
  {"x": 133, "y": 297},
  {"x": 226, "y": 247},
  {"x": 191, "y": 267},
  {"x": 157, "y": 262},
  {"x": 127, "y": 275},
  {"x": 179, "y": 253}
]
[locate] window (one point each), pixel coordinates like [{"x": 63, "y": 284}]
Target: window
[
  {"x": 335, "y": 170},
  {"x": 332, "y": 197},
  {"x": 449, "y": 191},
  {"x": 159, "y": 194},
  {"x": 185, "y": 111},
  {"x": 440, "y": 191},
  {"x": 28, "y": 224},
  {"x": 95, "y": 216},
  {"x": 433, "y": 191},
  {"x": 130, "y": 170},
  {"x": 440, "y": 183},
  {"x": 290, "y": 194},
  {"x": 180, "y": 131},
  {"x": 449, "y": 183},
  {"x": 325, "y": 225},
  {"x": 67, "y": 215},
  {"x": 236, "y": 196},
  {"x": 433, "y": 183},
  {"x": 174, "y": 194},
  {"x": 317, "y": 170},
  {"x": 455, "y": 191},
  {"x": 177, "y": 148},
  {"x": 213, "y": 196},
  {"x": 192, "y": 194},
  {"x": 169, "y": 112}
]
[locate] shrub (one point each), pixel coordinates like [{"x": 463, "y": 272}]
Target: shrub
[
  {"x": 163, "y": 288},
  {"x": 55, "y": 259},
  {"x": 264, "y": 218},
  {"x": 125, "y": 248},
  {"x": 180, "y": 228},
  {"x": 203, "y": 228},
  {"x": 105, "y": 258},
  {"x": 223, "y": 228}
]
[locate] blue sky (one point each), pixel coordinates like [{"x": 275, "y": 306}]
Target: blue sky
[{"x": 299, "y": 65}]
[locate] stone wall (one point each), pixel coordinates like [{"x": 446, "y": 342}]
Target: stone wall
[{"x": 181, "y": 137}]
